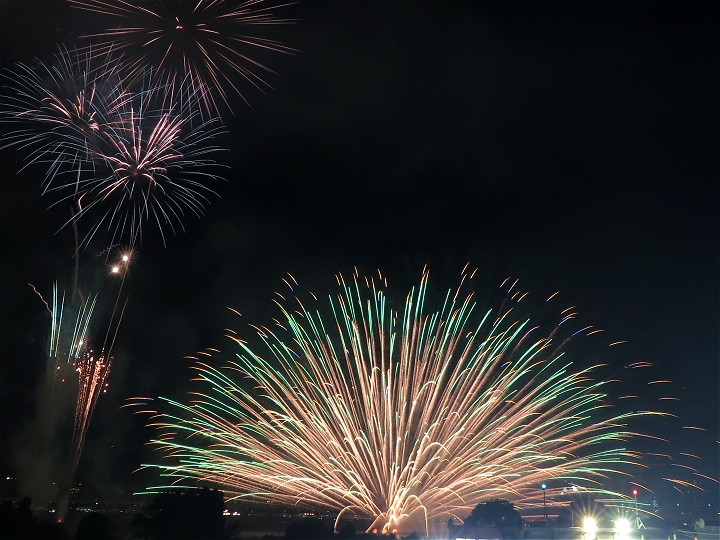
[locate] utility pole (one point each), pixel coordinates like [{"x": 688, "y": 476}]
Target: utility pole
[{"x": 637, "y": 519}]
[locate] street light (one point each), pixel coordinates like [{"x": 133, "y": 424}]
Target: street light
[
  {"x": 543, "y": 486},
  {"x": 589, "y": 528},
  {"x": 637, "y": 519},
  {"x": 622, "y": 528}
]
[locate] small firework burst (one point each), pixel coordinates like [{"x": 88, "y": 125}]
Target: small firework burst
[
  {"x": 156, "y": 165},
  {"x": 202, "y": 42},
  {"x": 63, "y": 109},
  {"x": 117, "y": 155}
]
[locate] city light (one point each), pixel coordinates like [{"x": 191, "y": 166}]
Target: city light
[
  {"x": 622, "y": 528},
  {"x": 589, "y": 528}
]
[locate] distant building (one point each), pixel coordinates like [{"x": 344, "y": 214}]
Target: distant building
[
  {"x": 707, "y": 528},
  {"x": 461, "y": 532}
]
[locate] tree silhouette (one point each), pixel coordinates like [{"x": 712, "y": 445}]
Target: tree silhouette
[
  {"x": 189, "y": 514},
  {"x": 94, "y": 526},
  {"x": 16, "y": 520},
  {"x": 18, "y": 523},
  {"x": 495, "y": 513},
  {"x": 307, "y": 529},
  {"x": 347, "y": 532}
]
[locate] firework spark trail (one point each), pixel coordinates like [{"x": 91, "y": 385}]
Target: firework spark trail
[
  {"x": 47, "y": 306},
  {"x": 63, "y": 347},
  {"x": 92, "y": 373},
  {"x": 60, "y": 345},
  {"x": 201, "y": 41},
  {"x": 72, "y": 347},
  {"x": 399, "y": 417}
]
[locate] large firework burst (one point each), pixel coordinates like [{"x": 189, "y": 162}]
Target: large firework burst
[
  {"x": 397, "y": 416},
  {"x": 202, "y": 41}
]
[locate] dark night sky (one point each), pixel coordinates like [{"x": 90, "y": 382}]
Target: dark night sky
[{"x": 572, "y": 145}]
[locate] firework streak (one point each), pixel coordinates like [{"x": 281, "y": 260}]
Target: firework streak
[
  {"x": 396, "y": 416},
  {"x": 73, "y": 349},
  {"x": 78, "y": 340},
  {"x": 92, "y": 373}
]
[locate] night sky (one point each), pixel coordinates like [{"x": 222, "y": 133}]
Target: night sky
[{"x": 572, "y": 145}]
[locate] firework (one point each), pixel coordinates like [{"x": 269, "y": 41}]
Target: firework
[
  {"x": 92, "y": 372},
  {"x": 203, "y": 41},
  {"x": 119, "y": 157},
  {"x": 68, "y": 346},
  {"x": 396, "y": 416},
  {"x": 72, "y": 349},
  {"x": 93, "y": 369},
  {"x": 63, "y": 108},
  {"x": 156, "y": 164}
]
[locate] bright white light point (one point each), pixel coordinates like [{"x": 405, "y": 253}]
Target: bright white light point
[
  {"x": 622, "y": 527},
  {"x": 115, "y": 269},
  {"x": 589, "y": 528},
  {"x": 125, "y": 257}
]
